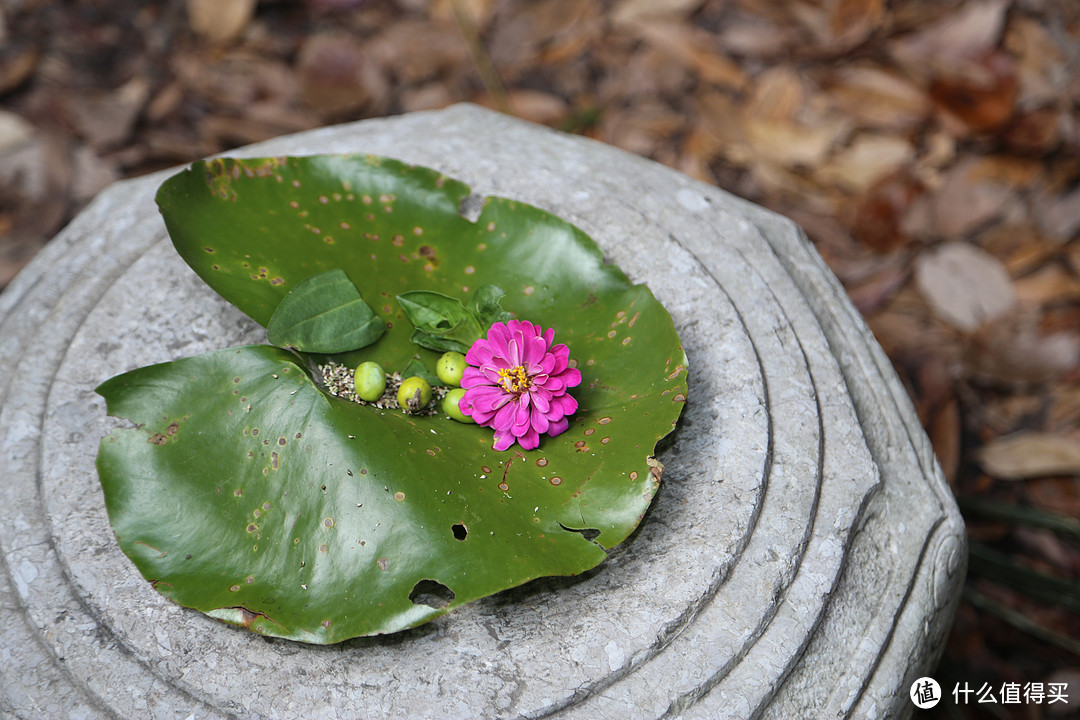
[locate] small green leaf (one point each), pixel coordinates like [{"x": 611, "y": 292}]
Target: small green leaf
[
  {"x": 486, "y": 305},
  {"x": 442, "y": 322},
  {"x": 324, "y": 314},
  {"x": 416, "y": 368}
]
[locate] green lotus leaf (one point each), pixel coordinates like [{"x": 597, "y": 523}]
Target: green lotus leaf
[
  {"x": 324, "y": 314},
  {"x": 246, "y": 490}
]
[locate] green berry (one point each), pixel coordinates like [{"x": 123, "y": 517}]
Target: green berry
[
  {"x": 451, "y": 367},
  {"x": 369, "y": 381},
  {"x": 450, "y": 406},
  {"x": 414, "y": 394}
]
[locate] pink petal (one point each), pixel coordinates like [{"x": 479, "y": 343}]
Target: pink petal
[
  {"x": 480, "y": 354},
  {"x": 498, "y": 338},
  {"x": 534, "y": 352},
  {"x": 491, "y": 375},
  {"x": 503, "y": 442},
  {"x": 529, "y": 440},
  {"x": 541, "y": 399},
  {"x": 473, "y": 377},
  {"x": 565, "y": 404},
  {"x": 558, "y": 427},
  {"x": 547, "y": 364},
  {"x": 571, "y": 377},
  {"x": 487, "y": 399},
  {"x": 539, "y": 421},
  {"x": 504, "y": 418},
  {"x": 555, "y": 385}
]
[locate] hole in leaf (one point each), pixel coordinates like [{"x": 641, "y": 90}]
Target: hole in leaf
[
  {"x": 471, "y": 207},
  {"x": 587, "y": 533},
  {"x": 460, "y": 531},
  {"x": 431, "y": 593}
]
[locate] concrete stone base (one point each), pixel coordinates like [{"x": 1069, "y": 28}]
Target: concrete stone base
[{"x": 802, "y": 559}]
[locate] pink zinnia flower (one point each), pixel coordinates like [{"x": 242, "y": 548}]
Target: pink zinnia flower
[{"x": 518, "y": 384}]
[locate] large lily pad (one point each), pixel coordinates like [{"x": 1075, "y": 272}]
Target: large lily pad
[{"x": 248, "y": 492}]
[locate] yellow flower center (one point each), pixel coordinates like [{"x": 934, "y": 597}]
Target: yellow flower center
[{"x": 514, "y": 379}]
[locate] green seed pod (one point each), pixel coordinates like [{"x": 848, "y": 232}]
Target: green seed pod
[
  {"x": 369, "y": 381},
  {"x": 414, "y": 394},
  {"x": 451, "y": 367},
  {"x": 450, "y": 406}
]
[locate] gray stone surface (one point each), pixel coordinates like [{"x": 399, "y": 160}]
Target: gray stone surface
[{"x": 802, "y": 558}]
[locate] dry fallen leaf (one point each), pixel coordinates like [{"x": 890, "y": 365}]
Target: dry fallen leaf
[
  {"x": 1013, "y": 351},
  {"x": 866, "y": 160},
  {"x": 1030, "y": 454},
  {"x": 219, "y": 20},
  {"x": 973, "y": 30},
  {"x": 477, "y": 12},
  {"x": 788, "y": 143},
  {"x": 106, "y": 119},
  {"x": 878, "y": 97},
  {"x": 696, "y": 50},
  {"x": 1049, "y": 284},
  {"x": 853, "y": 21},
  {"x": 943, "y": 427},
  {"x": 1060, "y": 216},
  {"x": 968, "y": 198},
  {"x": 965, "y": 286},
  {"x": 337, "y": 76},
  {"x": 633, "y": 10},
  {"x": 981, "y": 94},
  {"x": 14, "y": 131},
  {"x": 1041, "y": 64},
  {"x": 880, "y": 211}
]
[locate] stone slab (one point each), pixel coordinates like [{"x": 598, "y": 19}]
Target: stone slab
[{"x": 803, "y": 557}]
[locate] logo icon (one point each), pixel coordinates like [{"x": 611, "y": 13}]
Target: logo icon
[{"x": 925, "y": 693}]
